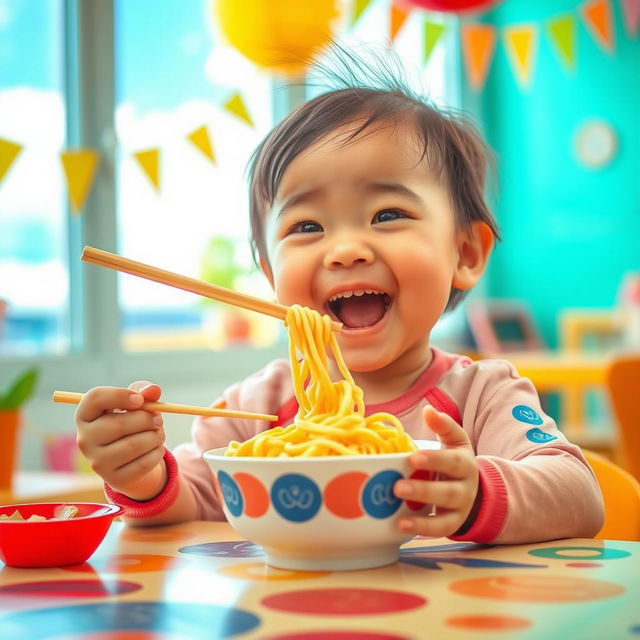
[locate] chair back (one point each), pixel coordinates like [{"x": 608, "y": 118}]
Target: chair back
[
  {"x": 621, "y": 493},
  {"x": 623, "y": 387}
]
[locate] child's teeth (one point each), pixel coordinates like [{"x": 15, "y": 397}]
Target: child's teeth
[{"x": 358, "y": 292}]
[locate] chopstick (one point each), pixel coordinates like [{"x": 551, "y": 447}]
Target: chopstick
[
  {"x": 120, "y": 263},
  {"x": 72, "y": 397}
]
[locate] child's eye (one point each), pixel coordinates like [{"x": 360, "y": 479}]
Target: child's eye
[
  {"x": 388, "y": 214},
  {"x": 306, "y": 227}
]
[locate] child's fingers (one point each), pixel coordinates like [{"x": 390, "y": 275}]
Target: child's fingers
[
  {"x": 99, "y": 400},
  {"x": 450, "y": 494},
  {"x": 453, "y": 463},
  {"x": 449, "y": 432},
  {"x": 149, "y": 390},
  {"x": 439, "y": 525},
  {"x": 131, "y": 472},
  {"x": 109, "y": 459}
]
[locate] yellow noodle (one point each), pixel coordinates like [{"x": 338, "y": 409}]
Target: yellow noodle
[{"x": 330, "y": 418}]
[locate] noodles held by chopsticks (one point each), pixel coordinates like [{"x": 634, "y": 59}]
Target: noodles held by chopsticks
[{"x": 330, "y": 419}]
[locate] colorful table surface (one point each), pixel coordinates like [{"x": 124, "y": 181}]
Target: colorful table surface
[{"x": 198, "y": 580}]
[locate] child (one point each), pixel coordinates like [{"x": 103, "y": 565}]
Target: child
[{"x": 367, "y": 204}]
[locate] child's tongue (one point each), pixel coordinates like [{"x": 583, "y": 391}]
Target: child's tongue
[{"x": 361, "y": 311}]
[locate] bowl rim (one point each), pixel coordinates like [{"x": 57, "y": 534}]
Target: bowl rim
[
  {"x": 111, "y": 511},
  {"x": 423, "y": 445}
]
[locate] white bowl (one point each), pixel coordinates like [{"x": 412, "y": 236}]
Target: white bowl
[{"x": 318, "y": 514}]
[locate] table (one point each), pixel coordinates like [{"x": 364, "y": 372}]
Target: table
[
  {"x": 53, "y": 486},
  {"x": 199, "y": 580}
]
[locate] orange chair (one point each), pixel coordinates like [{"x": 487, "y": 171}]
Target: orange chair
[
  {"x": 623, "y": 386},
  {"x": 621, "y": 493}
]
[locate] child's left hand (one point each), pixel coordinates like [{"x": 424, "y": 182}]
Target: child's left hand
[{"x": 454, "y": 493}]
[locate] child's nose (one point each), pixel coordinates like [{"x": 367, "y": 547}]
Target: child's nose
[{"x": 348, "y": 252}]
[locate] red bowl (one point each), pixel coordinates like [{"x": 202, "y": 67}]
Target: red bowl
[{"x": 53, "y": 543}]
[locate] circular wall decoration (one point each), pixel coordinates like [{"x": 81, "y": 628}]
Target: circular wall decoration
[{"x": 596, "y": 144}]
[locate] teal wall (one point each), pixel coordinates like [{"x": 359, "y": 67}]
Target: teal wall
[{"x": 569, "y": 232}]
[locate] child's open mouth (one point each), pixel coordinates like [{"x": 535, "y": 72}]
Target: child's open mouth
[{"x": 360, "y": 308}]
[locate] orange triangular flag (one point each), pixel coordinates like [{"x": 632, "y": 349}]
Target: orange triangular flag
[
  {"x": 478, "y": 45},
  {"x": 358, "y": 9},
  {"x": 597, "y": 17},
  {"x": 80, "y": 168},
  {"x": 8, "y": 153},
  {"x": 149, "y": 160},
  {"x": 235, "y": 106},
  {"x": 397, "y": 17},
  {"x": 200, "y": 138},
  {"x": 520, "y": 41},
  {"x": 562, "y": 31}
]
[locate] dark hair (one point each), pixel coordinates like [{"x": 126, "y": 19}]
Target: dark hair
[{"x": 451, "y": 144}]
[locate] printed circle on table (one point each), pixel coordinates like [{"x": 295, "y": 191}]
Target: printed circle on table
[
  {"x": 230, "y": 493},
  {"x": 583, "y": 565},
  {"x": 155, "y": 535},
  {"x": 128, "y": 563},
  {"x": 173, "y": 619},
  {"x": 69, "y": 588},
  {"x": 378, "y": 498},
  {"x": 256, "y": 498},
  {"x": 420, "y": 474},
  {"x": 336, "y": 635},
  {"x": 489, "y": 623},
  {"x": 224, "y": 549},
  {"x": 528, "y": 588},
  {"x": 538, "y": 436},
  {"x": 296, "y": 497},
  {"x": 262, "y": 571},
  {"x": 344, "y": 601},
  {"x": 523, "y": 413},
  {"x": 342, "y": 494},
  {"x": 579, "y": 553}
]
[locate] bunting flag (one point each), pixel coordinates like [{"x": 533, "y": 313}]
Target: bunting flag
[
  {"x": 359, "y": 7},
  {"x": 432, "y": 33},
  {"x": 520, "y": 41},
  {"x": 201, "y": 139},
  {"x": 149, "y": 160},
  {"x": 562, "y": 33},
  {"x": 478, "y": 45},
  {"x": 8, "y": 153},
  {"x": 631, "y": 11},
  {"x": 235, "y": 106},
  {"x": 597, "y": 17},
  {"x": 398, "y": 15},
  {"x": 80, "y": 167}
]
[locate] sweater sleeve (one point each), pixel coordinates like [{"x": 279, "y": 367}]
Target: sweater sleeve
[
  {"x": 263, "y": 392},
  {"x": 535, "y": 484}
]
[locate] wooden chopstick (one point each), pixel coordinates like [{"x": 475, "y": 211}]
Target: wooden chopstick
[
  {"x": 72, "y": 397},
  {"x": 206, "y": 289}
]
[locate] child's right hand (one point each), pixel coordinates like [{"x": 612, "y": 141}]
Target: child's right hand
[{"x": 124, "y": 445}]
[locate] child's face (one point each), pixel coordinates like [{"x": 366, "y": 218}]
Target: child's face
[{"x": 367, "y": 216}]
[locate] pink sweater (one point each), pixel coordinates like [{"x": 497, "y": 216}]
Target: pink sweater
[{"x": 535, "y": 484}]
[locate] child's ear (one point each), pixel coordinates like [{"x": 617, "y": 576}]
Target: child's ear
[
  {"x": 266, "y": 269},
  {"x": 474, "y": 249}
]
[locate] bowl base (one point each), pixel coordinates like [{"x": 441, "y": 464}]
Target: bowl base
[{"x": 328, "y": 561}]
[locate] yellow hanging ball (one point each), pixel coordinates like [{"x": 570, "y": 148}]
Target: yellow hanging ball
[{"x": 278, "y": 35}]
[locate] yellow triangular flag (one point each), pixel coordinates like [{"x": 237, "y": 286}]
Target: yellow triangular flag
[
  {"x": 398, "y": 15},
  {"x": 8, "y": 153},
  {"x": 478, "y": 45},
  {"x": 521, "y": 41},
  {"x": 201, "y": 139},
  {"x": 235, "y": 106},
  {"x": 80, "y": 168},
  {"x": 358, "y": 9},
  {"x": 562, "y": 32},
  {"x": 432, "y": 33},
  {"x": 149, "y": 160},
  {"x": 597, "y": 17}
]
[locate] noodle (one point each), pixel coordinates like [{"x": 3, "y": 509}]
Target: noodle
[{"x": 330, "y": 418}]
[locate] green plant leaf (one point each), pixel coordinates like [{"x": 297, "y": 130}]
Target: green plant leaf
[{"x": 20, "y": 391}]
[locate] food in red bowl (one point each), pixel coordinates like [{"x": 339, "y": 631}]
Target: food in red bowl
[{"x": 53, "y": 542}]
